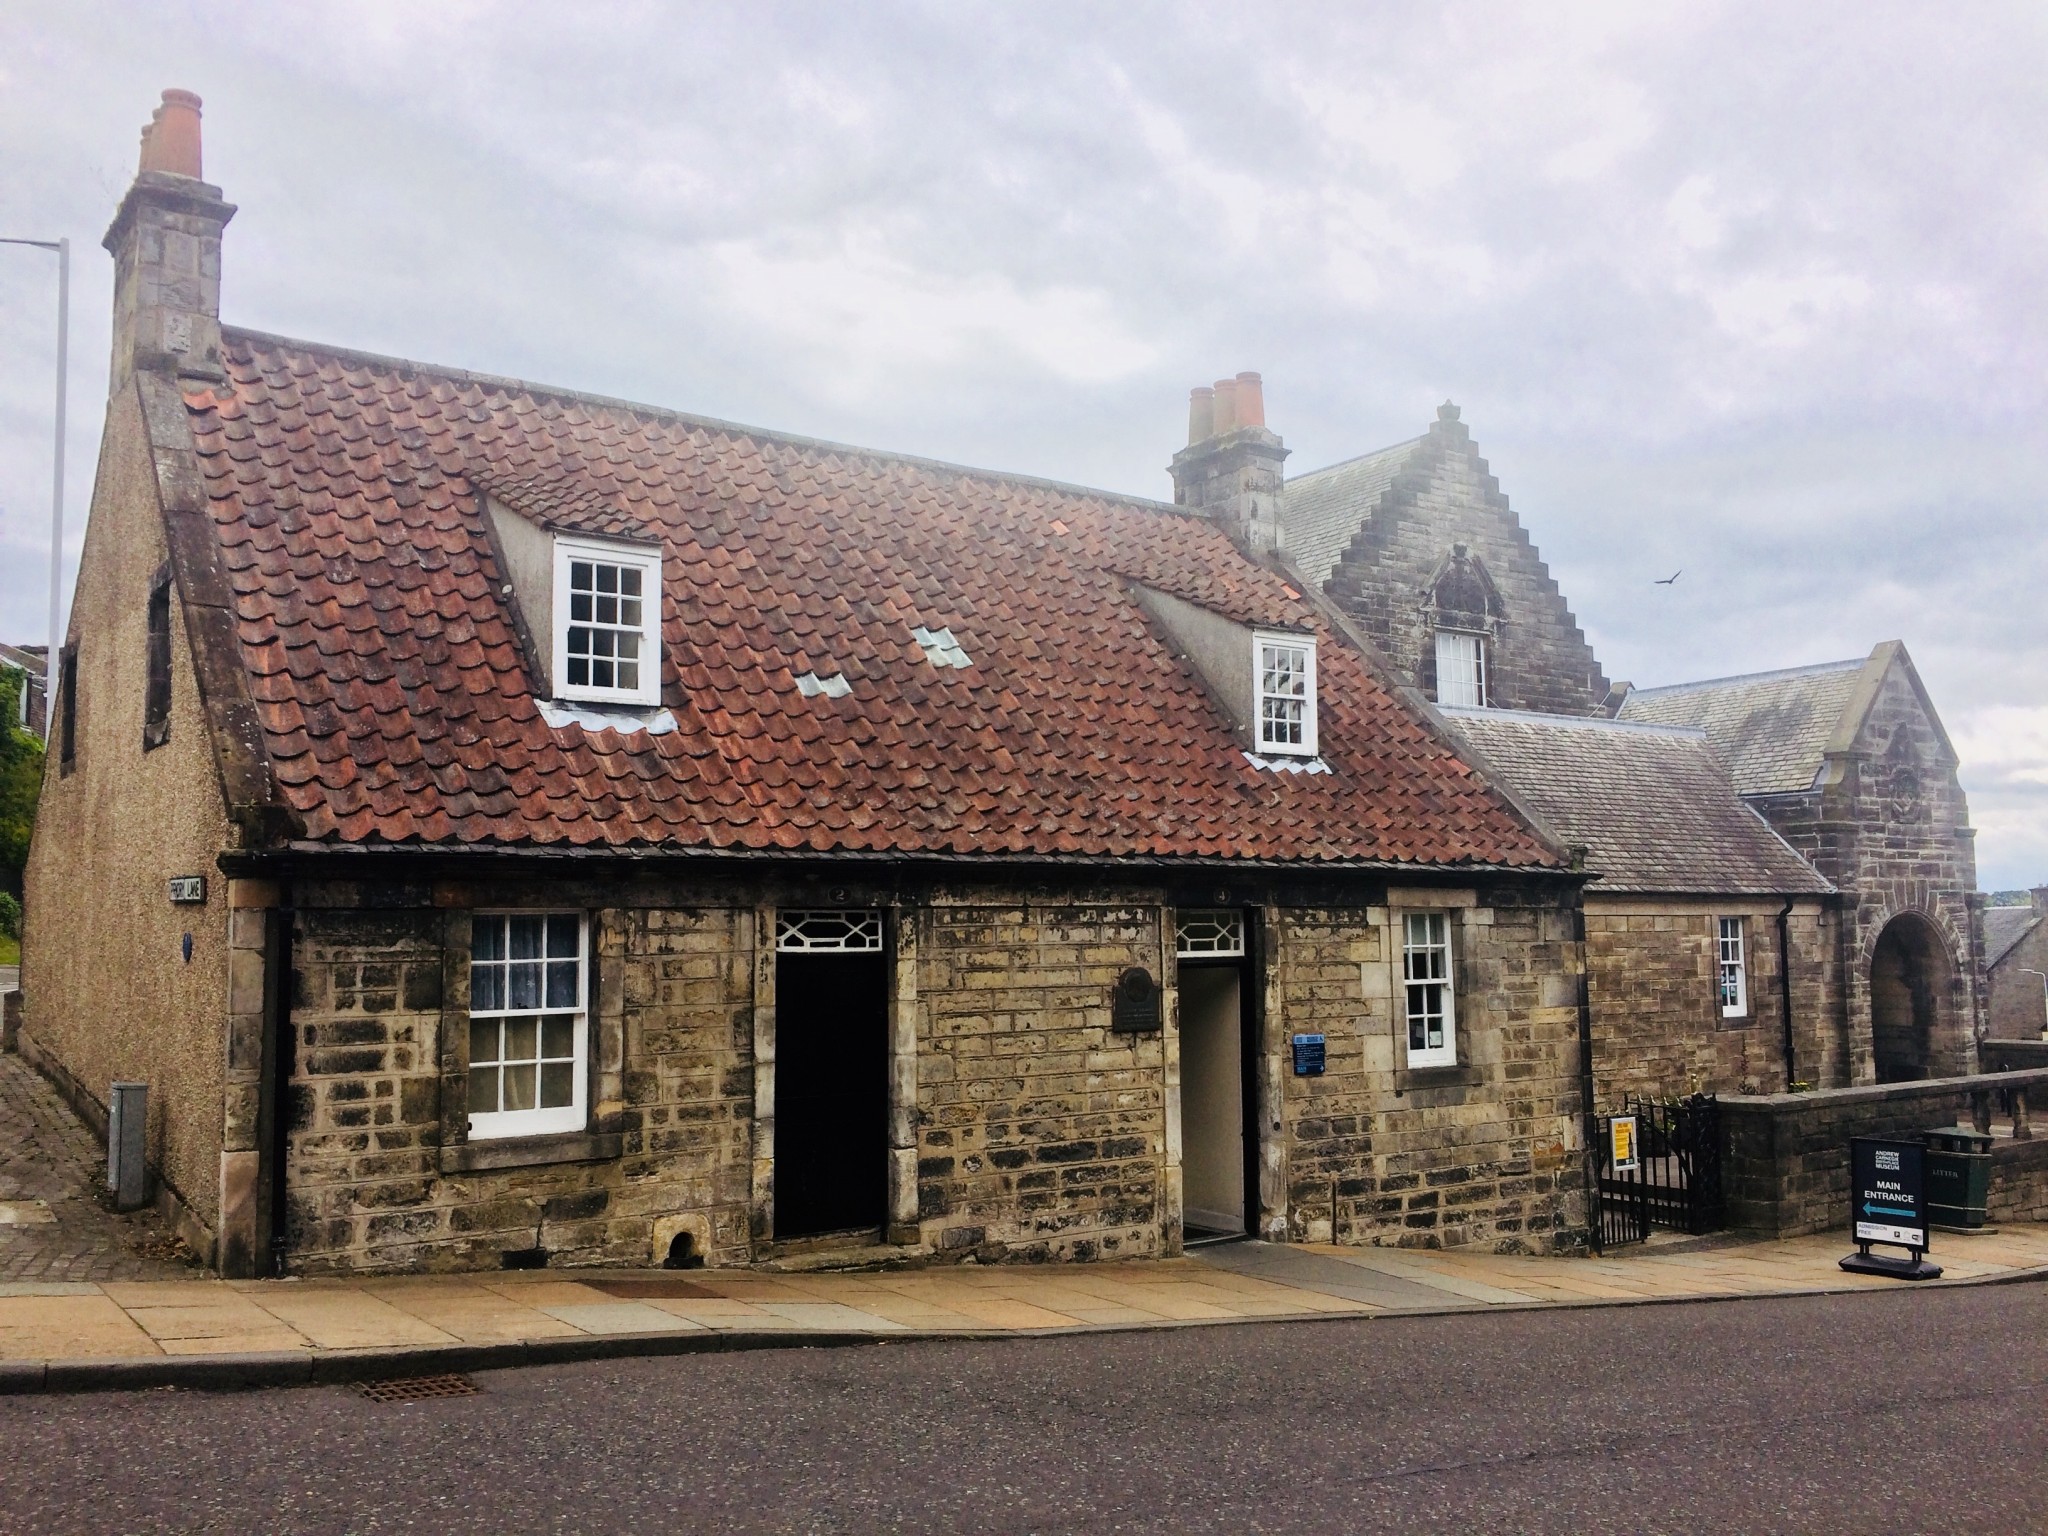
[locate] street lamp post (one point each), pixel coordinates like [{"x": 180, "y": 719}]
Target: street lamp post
[{"x": 63, "y": 249}]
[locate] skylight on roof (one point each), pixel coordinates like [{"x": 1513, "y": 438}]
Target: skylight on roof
[
  {"x": 810, "y": 685},
  {"x": 940, "y": 648}
]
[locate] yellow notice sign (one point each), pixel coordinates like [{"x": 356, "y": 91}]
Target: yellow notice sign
[{"x": 1621, "y": 1131}]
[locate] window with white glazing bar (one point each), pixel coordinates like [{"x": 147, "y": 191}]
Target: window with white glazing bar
[
  {"x": 528, "y": 1023},
  {"x": 1428, "y": 989}
]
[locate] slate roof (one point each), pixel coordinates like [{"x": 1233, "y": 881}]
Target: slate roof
[
  {"x": 1771, "y": 728},
  {"x": 1652, "y": 804},
  {"x": 395, "y": 702},
  {"x": 1322, "y": 511},
  {"x": 2004, "y": 927}
]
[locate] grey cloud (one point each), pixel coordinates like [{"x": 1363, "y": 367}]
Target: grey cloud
[{"x": 1748, "y": 289}]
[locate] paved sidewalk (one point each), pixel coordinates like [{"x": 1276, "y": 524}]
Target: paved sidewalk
[
  {"x": 52, "y": 1223},
  {"x": 82, "y": 1335}
]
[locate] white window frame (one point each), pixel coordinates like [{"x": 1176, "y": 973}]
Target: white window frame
[
  {"x": 638, "y": 557},
  {"x": 829, "y": 931},
  {"x": 1262, "y": 642},
  {"x": 1474, "y": 680},
  {"x": 1208, "y": 935},
  {"x": 575, "y": 1115},
  {"x": 1433, "y": 958},
  {"x": 1731, "y": 967}
]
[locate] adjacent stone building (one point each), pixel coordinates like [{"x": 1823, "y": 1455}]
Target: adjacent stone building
[
  {"x": 1708, "y": 938},
  {"x": 508, "y": 826},
  {"x": 2016, "y": 968},
  {"x": 1420, "y": 554}
]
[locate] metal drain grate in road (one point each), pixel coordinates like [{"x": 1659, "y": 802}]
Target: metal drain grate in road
[{"x": 418, "y": 1389}]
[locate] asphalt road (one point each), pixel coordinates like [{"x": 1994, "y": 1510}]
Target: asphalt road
[{"x": 1902, "y": 1411}]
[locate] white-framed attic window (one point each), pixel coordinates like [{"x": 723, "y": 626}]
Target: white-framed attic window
[
  {"x": 1284, "y": 693},
  {"x": 607, "y": 621},
  {"x": 1460, "y": 669}
]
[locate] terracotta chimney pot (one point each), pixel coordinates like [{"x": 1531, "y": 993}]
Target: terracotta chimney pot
[
  {"x": 1201, "y": 413},
  {"x": 1251, "y": 400},
  {"x": 171, "y": 142},
  {"x": 1226, "y": 406}
]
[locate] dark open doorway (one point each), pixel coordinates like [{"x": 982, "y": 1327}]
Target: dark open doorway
[
  {"x": 831, "y": 1091},
  {"x": 1219, "y": 1144},
  {"x": 1909, "y": 974}
]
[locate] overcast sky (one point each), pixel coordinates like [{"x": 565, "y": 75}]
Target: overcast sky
[{"x": 1751, "y": 290}]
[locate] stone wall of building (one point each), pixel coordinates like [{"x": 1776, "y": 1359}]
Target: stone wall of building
[
  {"x": 1028, "y": 1127},
  {"x": 1041, "y": 1132},
  {"x": 1486, "y": 1151},
  {"x": 1538, "y": 658},
  {"x": 1890, "y": 826},
  {"x": 1658, "y": 1029},
  {"x": 2017, "y": 1003}
]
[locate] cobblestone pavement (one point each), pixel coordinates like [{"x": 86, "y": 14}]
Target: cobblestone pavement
[{"x": 53, "y": 1226}]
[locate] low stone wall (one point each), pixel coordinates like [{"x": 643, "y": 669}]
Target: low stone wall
[
  {"x": 2013, "y": 1056},
  {"x": 1785, "y": 1156}
]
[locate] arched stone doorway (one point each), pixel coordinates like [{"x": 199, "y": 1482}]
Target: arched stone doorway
[{"x": 1909, "y": 985}]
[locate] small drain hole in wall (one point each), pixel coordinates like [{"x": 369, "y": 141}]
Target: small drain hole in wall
[
  {"x": 682, "y": 1253},
  {"x": 524, "y": 1258}
]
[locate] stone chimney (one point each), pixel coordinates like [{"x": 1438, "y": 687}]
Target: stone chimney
[
  {"x": 165, "y": 241},
  {"x": 1230, "y": 469}
]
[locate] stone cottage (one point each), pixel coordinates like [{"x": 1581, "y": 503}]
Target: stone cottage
[
  {"x": 1847, "y": 763},
  {"x": 505, "y": 826}
]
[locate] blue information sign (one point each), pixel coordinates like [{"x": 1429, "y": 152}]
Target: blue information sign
[{"x": 1308, "y": 1056}]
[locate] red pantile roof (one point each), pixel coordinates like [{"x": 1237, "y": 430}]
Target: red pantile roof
[{"x": 396, "y": 702}]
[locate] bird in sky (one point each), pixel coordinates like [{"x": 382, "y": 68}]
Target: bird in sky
[{"x": 1666, "y": 581}]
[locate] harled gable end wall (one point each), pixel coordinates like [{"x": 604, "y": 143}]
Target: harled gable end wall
[
  {"x": 1031, "y": 1129},
  {"x": 108, "y": 994},
  {"x": 1657, "y": 1024}
]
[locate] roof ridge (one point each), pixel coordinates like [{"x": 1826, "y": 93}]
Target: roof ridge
[
  {"x": 1576, "y": 722},
  {"x": 1358, "y": 458},
  {"x": 1816, "y": 669},
  {"x": 715, "y": 423}
]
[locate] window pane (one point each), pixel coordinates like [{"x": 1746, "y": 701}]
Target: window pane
[
  {"x": 519, "y": 1082},
  {"x": 486, "y": 988},
  {"x": 557, "y": 1085},
  {"x": 629, "y": 611},
  {"x": 579, "y": 607},
  {"x": 522, "y": 988},
  {"x": 629, "y": 674},
  {"x": 557, "y": 1038},
  {"x": 607, "y": 610},
  {"x": 579, "y": 674},
  {"x": 629, "y": 580},
  {"x": 521, "y": 1036},
  {"x": 527, "y": 936},
  {"x": 483, "y": 1090},
  {"x": 629, "y": 646},
  {"x": 561, "y": 984},
  {"x": 487, "y": 938},
  {"x": 562, "y": 937},
  {"x": 483, "y": 1040},
  {"x": 607, "y": 578},
  {"x": 579, "y": 575}
]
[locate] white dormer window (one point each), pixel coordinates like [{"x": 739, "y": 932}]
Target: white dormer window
[
  {"x": 1460, "y": 669},
  {"x": 607, "y": 613},
  {"x": 1284, "y": 668}
]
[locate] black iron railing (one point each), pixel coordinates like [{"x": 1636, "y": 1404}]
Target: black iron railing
[{"x": 1675, "y": 1182}]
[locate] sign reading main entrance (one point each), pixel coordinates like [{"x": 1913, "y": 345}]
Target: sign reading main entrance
[{"x": 1888, "y": 1204}]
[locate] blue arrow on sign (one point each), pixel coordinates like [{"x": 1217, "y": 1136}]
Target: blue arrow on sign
[{"x": 1886, "y": 1210}]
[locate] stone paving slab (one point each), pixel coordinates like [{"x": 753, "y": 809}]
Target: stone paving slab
[{"x": 52, "y": 1334}]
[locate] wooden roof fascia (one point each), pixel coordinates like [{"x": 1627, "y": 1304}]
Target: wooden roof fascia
[{"x": 248, "y": 782}]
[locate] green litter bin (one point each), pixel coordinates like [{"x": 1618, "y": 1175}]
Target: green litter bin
[{"x": 1958, "y": 1177}]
